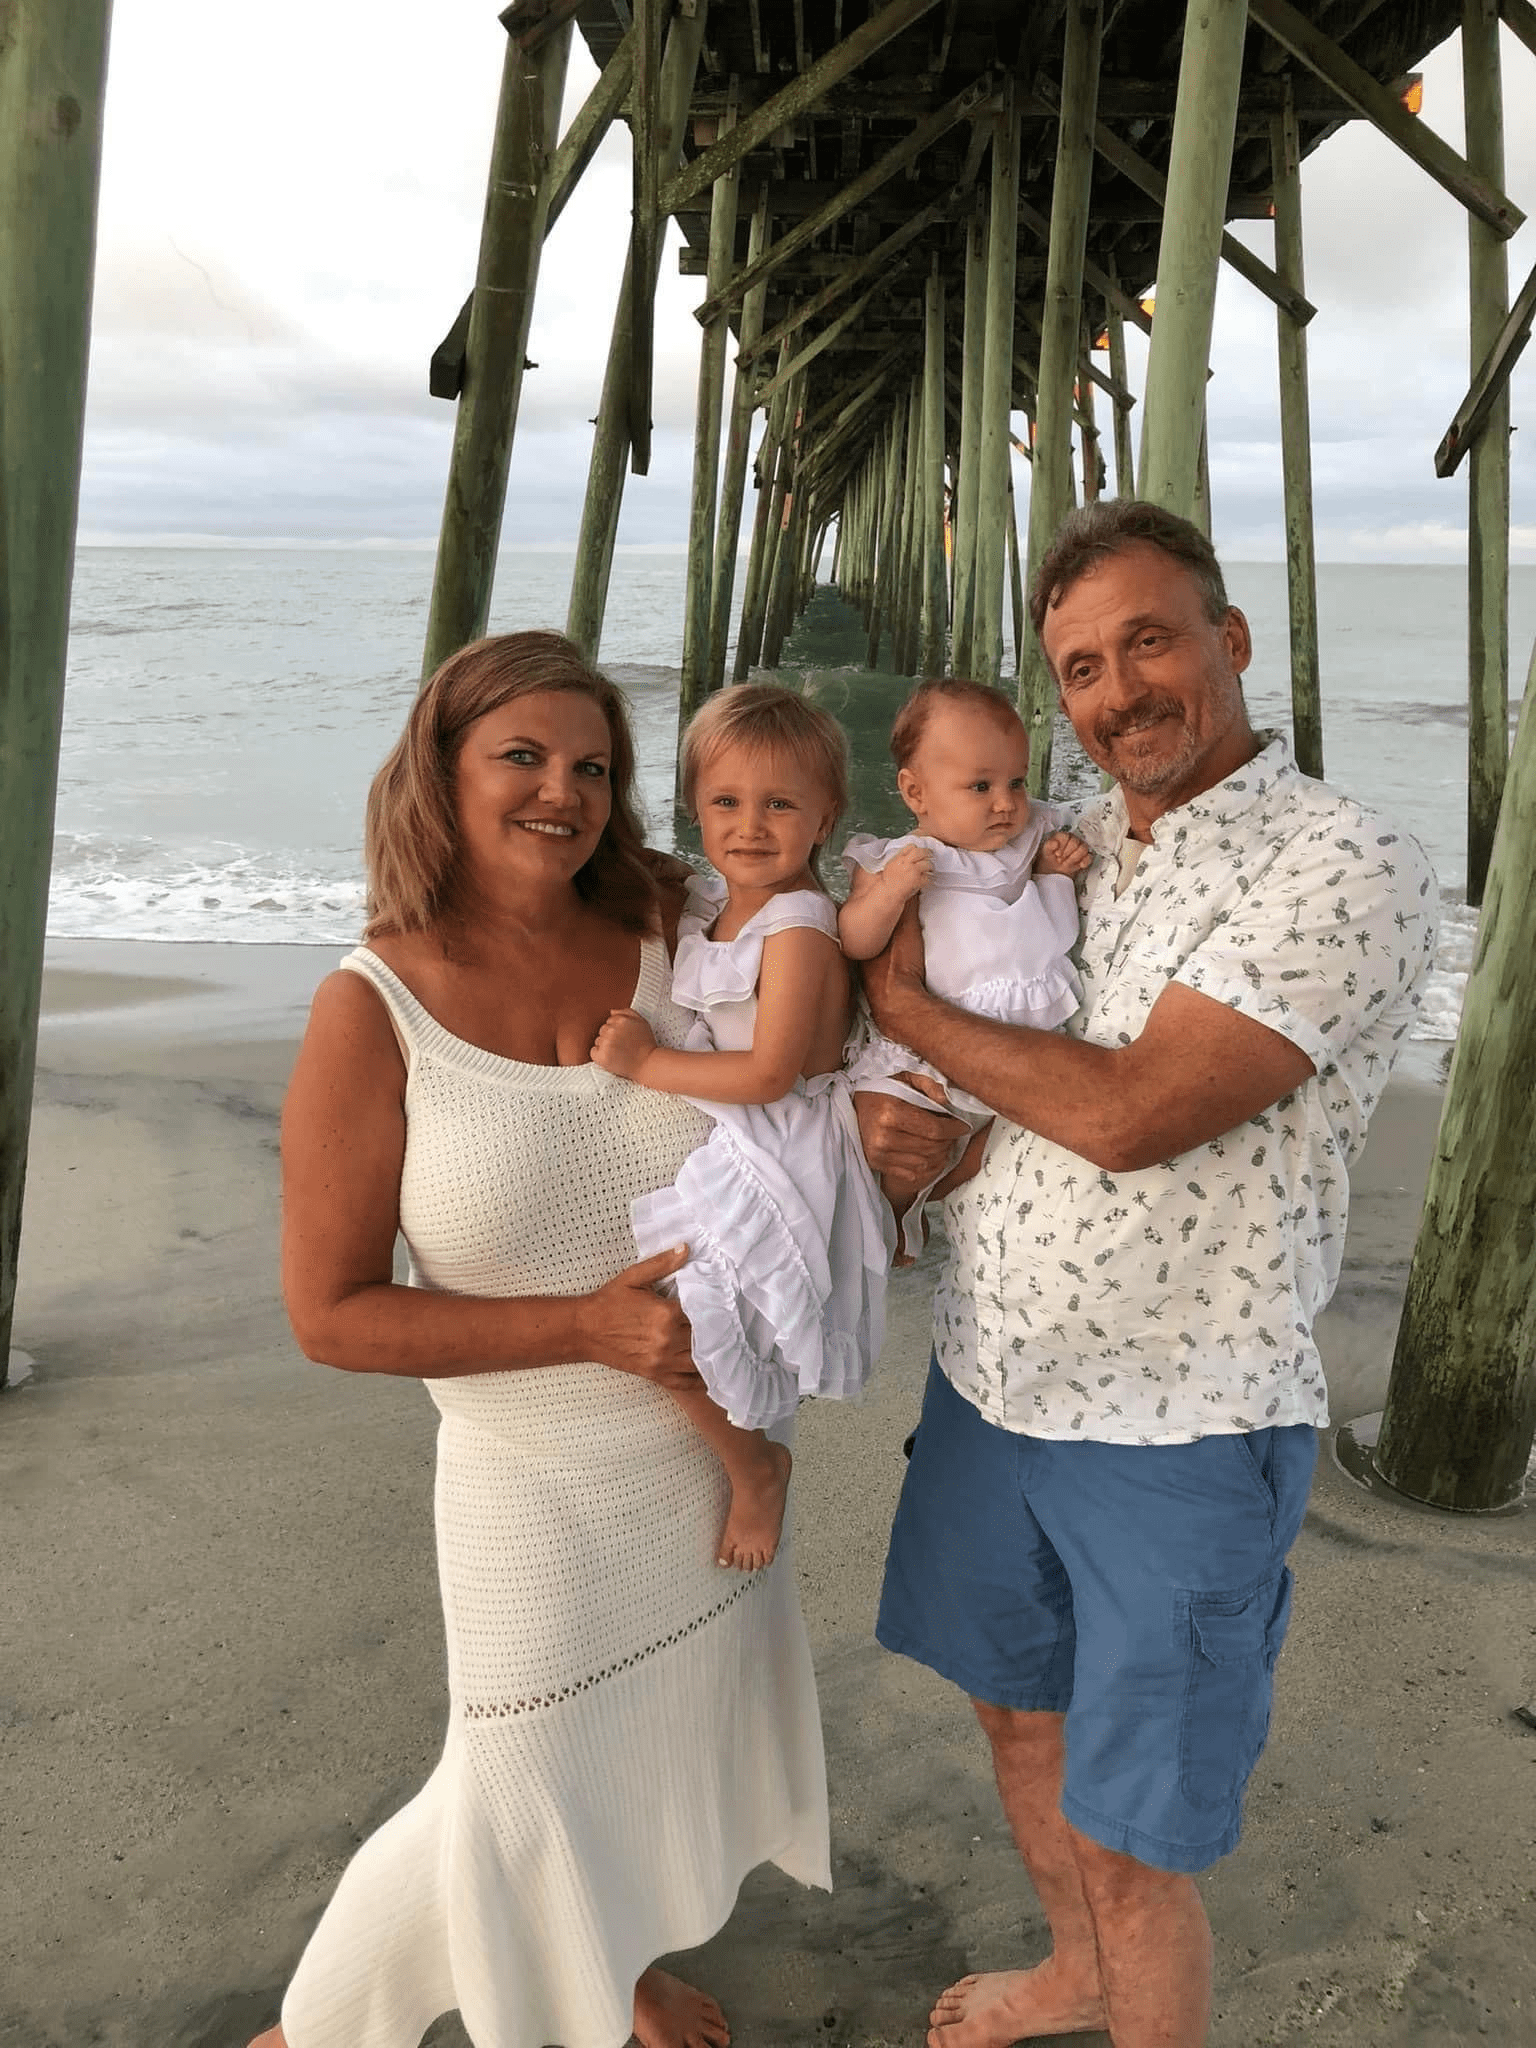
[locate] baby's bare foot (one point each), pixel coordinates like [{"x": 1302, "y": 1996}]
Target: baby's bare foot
[
  {"x": 671, "y": 2014},
  {"x": 758, "y": 1490}
]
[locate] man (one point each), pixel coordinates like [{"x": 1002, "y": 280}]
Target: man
[{"x": 1119, "y": 1428}]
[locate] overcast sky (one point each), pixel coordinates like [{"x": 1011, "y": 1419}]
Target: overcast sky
[{"x": 290, "y": 212}]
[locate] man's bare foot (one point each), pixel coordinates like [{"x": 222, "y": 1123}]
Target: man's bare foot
[
  {"x": 671, "y": 2014},
  {"x": 1004, "y": 2006},
  {"x": 759, "y": 1486}
]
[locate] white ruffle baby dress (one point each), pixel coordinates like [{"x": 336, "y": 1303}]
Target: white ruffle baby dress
[
  {"x": 996, "y": 942},
  {"x": 789, "y": 1238}
]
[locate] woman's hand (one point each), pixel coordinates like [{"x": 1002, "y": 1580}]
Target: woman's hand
[
  {"x": 624, "y": 1044},
  {"x": 629, "y": 1326}
]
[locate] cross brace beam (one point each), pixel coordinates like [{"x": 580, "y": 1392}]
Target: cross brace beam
[{"x": 1492, "y": 376}]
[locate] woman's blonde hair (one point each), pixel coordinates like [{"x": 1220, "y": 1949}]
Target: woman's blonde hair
[
  {"x": 411, "y": 834},
  {"x": 765, "y": 719}
]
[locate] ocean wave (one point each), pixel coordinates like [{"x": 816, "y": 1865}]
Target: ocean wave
[
  {"x": 138, "y": 889},
  {"x": 1439, "y": 1016}
]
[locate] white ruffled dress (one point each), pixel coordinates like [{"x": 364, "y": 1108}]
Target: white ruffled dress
[
  {"x": 789, "y": 1237},
  {"x": 996, "y": 942}
]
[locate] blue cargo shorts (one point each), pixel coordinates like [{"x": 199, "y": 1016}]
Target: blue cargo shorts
[{"x": 1140, "y": 1590}]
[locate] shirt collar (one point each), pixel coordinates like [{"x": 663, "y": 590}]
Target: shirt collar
[{"x": 1104, "y": 824}]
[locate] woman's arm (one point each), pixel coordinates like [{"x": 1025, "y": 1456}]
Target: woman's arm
[
  {"x": 343, "y": 1148},
  {"x": 802, "y": 971},
  {"x": 876, "y": 901}
]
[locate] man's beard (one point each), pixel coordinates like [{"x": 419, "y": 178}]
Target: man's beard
[{"x": 1158, "y": 775}]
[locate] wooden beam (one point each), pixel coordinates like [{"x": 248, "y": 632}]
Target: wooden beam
[
  {"x": 1125, "y": 474},
  {"x": 935, "y": 580},
  {"x": 1355, "y": 84},
  {"x": 878, "y": 260},
  {"x": 531, "y": 23},
  {"x": 610, "y": 441},
  {"x": 53, "y": 64},
  {"x": 1150, "y": 180},
  {"x": 1492, "y": 377},
  {"x": 818, "y": 345},
  {"x": 1114, "y": 292},
  {"x": 1189, "y": 254},
  {"x": 853, "y": 195},
  {"x": 997, "y": 391},
  {"x": 1488, "y": 469},
  {"x": 495, "y": 346},
  {"x": 1050, "y": 490},
  {"x": 1460, "y": 1414},
  {"x": 1296, "y": 456},
  {"x": 590, "y": 123},
  {"x": 737, "y": 447},
  {"x": 972, "y": 346},
  {"x": 796, "y": 98},
  {"x": 694, "y": 680},
  {"x": 644, "y": 226}
]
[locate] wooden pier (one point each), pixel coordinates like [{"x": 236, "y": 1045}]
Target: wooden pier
[{"x": 920, "y": 229}]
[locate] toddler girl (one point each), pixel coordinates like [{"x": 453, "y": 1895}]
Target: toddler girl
[
  {"x": 789, "y": 1239},
  {"x": 991, "y": 874}
]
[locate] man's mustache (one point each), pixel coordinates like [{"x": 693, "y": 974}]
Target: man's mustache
[{"x": 1142, "y": 712}]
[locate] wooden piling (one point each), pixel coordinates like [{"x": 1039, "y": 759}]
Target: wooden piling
[
  {"x": 1296, "y": 449},
  {"x": 1050, "y": 486},
  {"x": 1460, "y": 1414},
  {"x": 972, "y": 358},
  {"x": 935, "y": 580},
  {"x": 611, "y": 435},
  {"x": 512, "y": 231},
  {"x": 1125, "y": 468},
  {"x": 738, "y": 448},
  {"x": 887, "y": 527},
  {"x": 52, "y": 71},
  {"x": 706, "y": 447},
  {"x": 1189, "y": 255},
  {"x": 997, "y": 390},
  {"x": 1488, "y": 463}
]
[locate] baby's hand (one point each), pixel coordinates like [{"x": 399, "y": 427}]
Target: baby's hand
[
  {"x": 624, "y": 1044},
  {"x": 909, "y": 871},
  {"x": 1063, "y": 854}
]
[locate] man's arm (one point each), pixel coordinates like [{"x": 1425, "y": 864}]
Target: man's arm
[{"x": 1198, "y": 1069}]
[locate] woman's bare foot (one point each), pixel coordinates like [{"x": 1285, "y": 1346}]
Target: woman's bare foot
[
  {"x": 1004, "y": 2006},
  {"x": 671, "y": 2014},
  {"x": 759, "y": 1487}
]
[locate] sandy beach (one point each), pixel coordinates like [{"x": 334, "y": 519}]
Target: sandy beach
[{"x": 221, "y": 1653}]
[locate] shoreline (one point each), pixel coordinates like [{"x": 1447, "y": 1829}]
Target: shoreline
[{"x": 231, "y": 1661}]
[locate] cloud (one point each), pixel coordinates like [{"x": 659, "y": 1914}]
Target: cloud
[{"x": 289, "y": 224}]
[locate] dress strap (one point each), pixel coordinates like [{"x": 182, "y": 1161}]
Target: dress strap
[{"x": 410, "y": 1021}]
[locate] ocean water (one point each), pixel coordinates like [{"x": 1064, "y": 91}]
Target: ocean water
[{"x": 226, "y": 710}]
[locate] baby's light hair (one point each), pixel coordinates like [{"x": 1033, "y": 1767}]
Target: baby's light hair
[
  {"x": 765, "y": 719},
  {"x": 912, "y": 719}
]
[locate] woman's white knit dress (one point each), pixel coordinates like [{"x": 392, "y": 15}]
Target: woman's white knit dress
[{"x": 631, "y": 1728}]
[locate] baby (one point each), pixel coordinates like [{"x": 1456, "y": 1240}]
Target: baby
[{"x": 992, "y": 875}]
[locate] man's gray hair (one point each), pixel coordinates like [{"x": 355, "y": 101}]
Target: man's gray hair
[{"x": 1109, "y": 526}]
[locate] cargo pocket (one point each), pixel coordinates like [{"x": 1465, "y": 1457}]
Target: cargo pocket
[{"x": 1234, "y": 1639}]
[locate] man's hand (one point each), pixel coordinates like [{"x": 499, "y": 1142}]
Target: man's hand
[
  {"x": 893, "y": 980},
  {"x": 906, "y": 1146}
]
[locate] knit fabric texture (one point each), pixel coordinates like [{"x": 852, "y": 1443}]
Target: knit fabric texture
[{"x": 631, "y": 1728}]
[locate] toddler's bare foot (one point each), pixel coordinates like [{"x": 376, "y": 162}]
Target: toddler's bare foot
[
  {"x": 671, "y": 2014},
  {"x": 274, "y": 2037},
  {"x": 1003, "y": 2006},
  {"x": 759, "y": 1487}
]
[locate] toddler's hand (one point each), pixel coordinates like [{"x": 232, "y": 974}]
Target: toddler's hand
[
  {"x": 909, "y": 871},
  {"x": 1063, "y": 854},
  {"x": 624, "y": 1044}
]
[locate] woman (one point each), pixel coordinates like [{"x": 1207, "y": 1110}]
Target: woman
[{"x": 631, "y": 1727}]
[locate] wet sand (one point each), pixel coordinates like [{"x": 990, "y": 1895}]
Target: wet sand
[{"x": 221, "y": 1653}]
